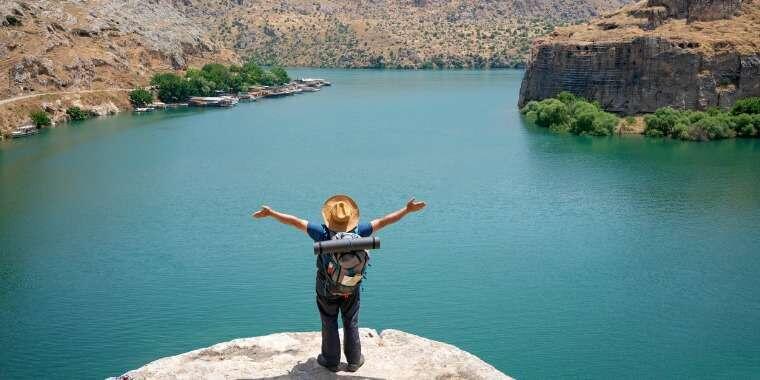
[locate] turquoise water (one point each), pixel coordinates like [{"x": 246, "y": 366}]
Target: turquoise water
[{"x": 128, "y": 239}]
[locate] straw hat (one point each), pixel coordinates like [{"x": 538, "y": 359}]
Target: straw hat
[{"x": 340, "y": 212}]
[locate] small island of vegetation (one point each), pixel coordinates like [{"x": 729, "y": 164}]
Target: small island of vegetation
[{"x": 569, "y": 113}]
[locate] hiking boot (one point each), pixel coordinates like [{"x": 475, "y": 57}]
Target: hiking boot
[
  {"x": 353, "y": 367},
  {"x": 323, "y": 362}
]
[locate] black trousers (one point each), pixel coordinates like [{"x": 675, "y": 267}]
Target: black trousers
[{"x": 328, "y": 311}]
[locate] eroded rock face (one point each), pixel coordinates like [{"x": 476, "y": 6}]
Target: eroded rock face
[
  {"x": 699, "y": 10},
  {"x": 707, "y": 10},
  {"x": 641, "y": 75},
  {"x": 391, "y": 354},
  {"x": 646, "y": 57},
  {"x": 48, "y": 45}
]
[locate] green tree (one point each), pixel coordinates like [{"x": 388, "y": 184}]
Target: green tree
[
  {"x": 663, "y": 121},
  {"x": 280, "y": 75},
  {"x": 711, "y": 128},
  {"x": 171, "y": 87},
  {"x": 268, "y": 79},
  {"x": 567, "y": 97},
  {"x": 552, "y": 112},
  {"x": 237, "y": 84},
  {"x": 218, "y": 74},
  {"x": 744, "y": 124},
  {"x": 583, "y": 120},
  {"x": 199, "y": 86},
  {"x": 40, "y": 118},
  {"x": 253, "y": 73},
  {"x": 77, "y": 114},
  {"x": 140, "y": 97},
  {"x": 747, "y": 105}
]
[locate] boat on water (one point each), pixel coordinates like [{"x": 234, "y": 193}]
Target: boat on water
[
  {"x": 313, "y": 82},
  {"x": 144, "y": 109},
  {"x": 305, "y": 88},
  {"x": 278, "y": 92},
  {"x": 231, "y": 100},
  {"x": 26, "y": 130},
  {"x": 213, "y": 101}
]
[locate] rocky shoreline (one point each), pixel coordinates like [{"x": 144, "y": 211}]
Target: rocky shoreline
[
  {"x": 95, "y": 103},
  {"x": 390, "y": 354}
]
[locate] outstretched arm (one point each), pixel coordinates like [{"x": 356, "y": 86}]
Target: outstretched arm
[
  {"x": 282, "y": 218},
  {"x": 411, "y": 206}
]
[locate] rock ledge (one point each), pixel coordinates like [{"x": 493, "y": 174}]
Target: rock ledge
[{"x": 391, "y": 354}]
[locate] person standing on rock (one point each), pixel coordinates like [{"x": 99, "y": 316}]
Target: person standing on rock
[{"x": 341, "y": 215}]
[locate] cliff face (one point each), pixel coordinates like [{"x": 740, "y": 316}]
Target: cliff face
[
  {"x": 391, "y": 354},
  {"x": 50, "y": 45},
  {"x": 681, "y": 53}
]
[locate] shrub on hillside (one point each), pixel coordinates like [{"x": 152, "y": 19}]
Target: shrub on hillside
[
  {"x": 711, "y": 128},
  {"x": 75, "y": 113},
  {"x": 749, "y": 106},
  {"x": 747, "y": 125},
  {"x": 663, "y": 121},
  {"x": 743, "y": 120},
  {"x": 140, "y": 97},
  {"x": 40, "y": 118}
]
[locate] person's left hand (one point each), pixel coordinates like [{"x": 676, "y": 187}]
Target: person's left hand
[
  {"x": 413, "y": 206},
  {"x": 265, "y": 211}
]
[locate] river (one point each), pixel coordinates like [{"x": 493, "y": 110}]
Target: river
[{"x": 129, "y": 238}]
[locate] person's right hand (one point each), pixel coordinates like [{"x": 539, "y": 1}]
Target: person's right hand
[
  {"x": 414, "y": 206},
  {"x": 264, "y": 212}
]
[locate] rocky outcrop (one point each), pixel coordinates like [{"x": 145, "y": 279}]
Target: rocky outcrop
[
  {"x": 391, "y": 354},
  {"x": 50, "y": 45},
  {"x": 96, "y": 103},
  {"x": 652, "y": 55},
  {"x": 699, "y": 10},
  {"x": 708, "y": 10}
]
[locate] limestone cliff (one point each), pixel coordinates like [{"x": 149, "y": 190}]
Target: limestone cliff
[
  {"x": 683, "y": 53},
  {"x": 391, "y": 354}
]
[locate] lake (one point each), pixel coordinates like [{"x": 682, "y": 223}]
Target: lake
[{"x": 129, "y": 238}]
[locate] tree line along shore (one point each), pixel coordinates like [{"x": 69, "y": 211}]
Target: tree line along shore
[
  {"x": 213, "y": 85},
  {"x": 567, "y": 113}
]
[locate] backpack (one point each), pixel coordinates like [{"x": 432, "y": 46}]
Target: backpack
[{"x": 344, "y": 271}]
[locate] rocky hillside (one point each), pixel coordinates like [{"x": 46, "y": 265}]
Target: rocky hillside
[
  {"x": 391, "y": 354},
  {"x": 54, "y": 45},
  {"x": 392, "y": 33},
  {"x": 684, "y": 53},
  {"x": 85, "y": 44}
]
